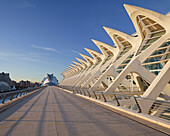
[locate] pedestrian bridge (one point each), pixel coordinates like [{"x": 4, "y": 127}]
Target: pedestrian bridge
[{"x": 53, "y": 111}]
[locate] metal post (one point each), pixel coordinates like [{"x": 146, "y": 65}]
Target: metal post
[
  {"x": 138, "y": 105},
  {"x": 76, "y": 91},
  {"x": 4, "y": 98},
  {"x": 21, "y": 94},
  {"x": 88, "y": 93},
  {"x": 104, "y": 97},
  {"x": 95, "y": 94},
  {"x": 131, "y": 81},
  {"x": 84, "y": 92},
  {"x": 11, "y": 96},
  {"x": 17, "y": 95},
  {"x": 80, "y": 91},
  {"x": 118, "y": 104}
]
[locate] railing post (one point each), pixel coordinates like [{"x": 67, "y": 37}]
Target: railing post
[
  {"x": 77, "y": 91},
  {"x": 118, "y": 104},
  {"x": 88, "y": 93},
  {"x": 21, "y": 94},
  {"x": 138, "y": 105},
  {"x": 80, "y": 91},
  {"x": 17, "y": 95},
  {"x": 84, "y": 92},
  {"x": 4, "y": 98},
  {"x": 95, "y": 94},
  {"x": 104, "y": 97},
  {"x": 11, "y": 96}
]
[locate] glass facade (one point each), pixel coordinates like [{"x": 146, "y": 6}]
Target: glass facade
[
  {"x": 124, "y": 63},
  {"x": 156, "y": 61}
]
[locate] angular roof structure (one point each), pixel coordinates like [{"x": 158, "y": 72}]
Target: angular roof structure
[
  {"x": 50, "y": 79},
  {"x": 136, "y": 63}
]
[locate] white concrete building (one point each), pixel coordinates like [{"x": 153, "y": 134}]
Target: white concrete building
[
  {"x": 137, "y": 62},
  {"x": 50, "y": 79}
]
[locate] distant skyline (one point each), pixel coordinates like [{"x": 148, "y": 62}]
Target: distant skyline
[{"x": 40, "y": 37}]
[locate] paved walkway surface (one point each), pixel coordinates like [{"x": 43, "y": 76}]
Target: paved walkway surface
[{"x": 52, "y": 112}]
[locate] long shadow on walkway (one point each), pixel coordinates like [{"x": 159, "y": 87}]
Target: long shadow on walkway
[
  {"x": 43, "y": 116},
  {"x": 102, "y": 127},
  {"x": 85, "y": 113},
  {"x": 12, "y": 110}
]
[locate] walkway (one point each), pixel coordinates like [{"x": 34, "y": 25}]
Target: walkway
[{"x": 52, "y": 112}]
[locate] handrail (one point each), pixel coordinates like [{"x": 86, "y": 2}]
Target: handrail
[
  {"x": 157, "y": 104},
  {"x": 11, "y": 94},
  {"x": 140, "y": 97}
]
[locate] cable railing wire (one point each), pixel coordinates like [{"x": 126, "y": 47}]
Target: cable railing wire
[{"x": 160, "y": 108}]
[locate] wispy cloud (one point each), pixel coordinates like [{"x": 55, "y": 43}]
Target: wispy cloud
[
  {"x": 46, "y": 48},
  {"x": 74, "y": 51},
  {"x": 30, "y": 57},
  {"x": 11, "y": 55}
]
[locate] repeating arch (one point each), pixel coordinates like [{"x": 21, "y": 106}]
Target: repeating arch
[{"x": 143, "y": 55}]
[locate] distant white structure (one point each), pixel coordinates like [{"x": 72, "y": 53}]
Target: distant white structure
[
  {"x": 50, "y": 79},
  {"x": 13, "y": 88}
]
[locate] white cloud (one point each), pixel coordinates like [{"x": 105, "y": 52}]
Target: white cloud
[
  {"x": 11, "y": 56},
  {"x": 46, "y": 48},
  {"x": 74, "y": 51}
]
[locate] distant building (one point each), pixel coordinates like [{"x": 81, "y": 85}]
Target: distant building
[
  {"x": 4, "y": 86},
  {"x": 25, "y": 83},
  {"x": 14, "y": 82},
  {"x": 4, "y": 77},
  {"x": 50, "y": 79},
  {"x": 36, "y": 84},
  {"x": 5, "y": 82}
]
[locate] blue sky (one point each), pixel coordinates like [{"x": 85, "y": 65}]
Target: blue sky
[{"x": 45, "y": 36}]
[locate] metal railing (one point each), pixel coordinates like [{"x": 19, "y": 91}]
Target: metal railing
[
  {"x": 7, "y": 96},
  {"x": 128, "y": 99},
  {"x": 115, "y": 98},
  {"x": 160, "y": 109}
]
